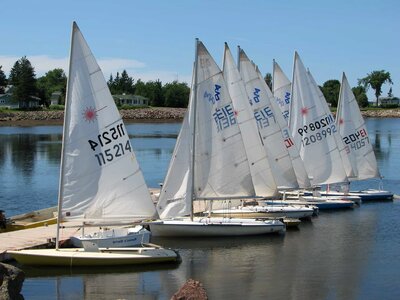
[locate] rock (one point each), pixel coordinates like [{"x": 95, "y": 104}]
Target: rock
[
  {"x": 191, "y": 290},
  {"x": 11, "y": 280}
]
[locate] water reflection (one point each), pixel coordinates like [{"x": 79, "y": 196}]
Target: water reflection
[
  {"x": 343, "y": 255},
  {"x": 95, "y": 283}
]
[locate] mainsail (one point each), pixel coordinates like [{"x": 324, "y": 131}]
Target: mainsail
[
  {"x": 313, "y": 128},
  {"x": 288, "y": 168},
  {"x": 282, "y": 90},
  {"x": 100, "y": 179},
  {"x": 348, "y": 165},
  {"x": 209, "y": 160},
  {"x": 354, "y": 133},
  {"x": 261, "y": 173}
]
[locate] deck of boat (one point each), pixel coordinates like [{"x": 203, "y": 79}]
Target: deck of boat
[{"x": 34, "y": 237}]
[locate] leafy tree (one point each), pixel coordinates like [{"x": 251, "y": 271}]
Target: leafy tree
[
  {"x": 140, "y": 88},
  {"x": 154, "y": 92},
  {"x": 3, "y": 81},
  {"x": 361, "y": 96},
  {"x": 375, "y": 80},
  {"x": 121, "y": 84},
  {"x": 268, "y": 80},
  {"x": 331, "y": 90},
  {"x": 53, "y": 81},
  {"x": 176, "y": 94},
  {"x": 23, "y": 78},
  {"x": 390, "y": 93}
]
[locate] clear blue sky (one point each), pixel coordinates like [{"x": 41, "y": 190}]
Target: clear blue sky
[{"x": 155, "y": 39}]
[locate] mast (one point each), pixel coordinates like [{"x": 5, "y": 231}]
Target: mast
[
  {"x": 291, "y": 90},
  {"x": 273, "y": 77},
  {"x": 66, "y": 111},
  {"x": 340, "y": 100},
  {"x": 194, "y": 104},
  {"x": 238, "y": 59}
]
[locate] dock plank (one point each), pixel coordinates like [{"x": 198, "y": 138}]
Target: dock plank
[{"x": 33, "y": 237}]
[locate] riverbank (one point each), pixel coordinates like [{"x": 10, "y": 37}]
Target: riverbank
[
  {"x": 56, "y": 117},
  {"x": 32, "y": 118}
]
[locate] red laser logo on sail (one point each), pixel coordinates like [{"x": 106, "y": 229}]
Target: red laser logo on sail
[
  {"x": 89, "y": 114},
  {"x": 304, "y": 111}
]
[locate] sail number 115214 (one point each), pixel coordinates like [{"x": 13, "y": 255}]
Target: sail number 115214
[{"x": 110, "y": 145}]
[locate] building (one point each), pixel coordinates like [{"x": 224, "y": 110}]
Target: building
[
  {"x": 55, "y": 98},
  {"x": 133, "y": 100},
  {"x": 392, "y": 101},
  {"x": 6, "y": 100}
]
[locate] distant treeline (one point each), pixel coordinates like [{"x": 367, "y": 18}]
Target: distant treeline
[
  {"x": 175, "y": 94},
  {"x": 25, "y": 85}
]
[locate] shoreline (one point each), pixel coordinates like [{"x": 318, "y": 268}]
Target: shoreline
[
  {"x": 56, "y": 117},
  {"x": 150, "y": 114}
]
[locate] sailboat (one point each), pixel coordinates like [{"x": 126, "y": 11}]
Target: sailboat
[
  {"x": 209, "y": 163},
  {"x": 315, "y": 134},
  {"x": 100, "y": 179},
  {"x": 266, "y": 145},
  {"x": 352, "y": 129}
]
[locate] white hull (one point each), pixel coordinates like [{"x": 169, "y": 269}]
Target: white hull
[
  {"x": 308, "y": 196},
  {"x": 322, "y": 204},
  {"x": 118, "y": 237},
  {"x": 267, "y": 211},
  {"x": 365, "y": 195},
  {"x": 102, "y": 257},
  {"x": 211, "y": 227}
]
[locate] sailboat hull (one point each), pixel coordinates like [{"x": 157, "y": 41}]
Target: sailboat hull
[
  {"x": 365, "y": 195},
  {"x": 118, "y": 237},
  {"x": 103, "y": 257},
  {"x": 212, "y": 227},
  {"x": 272, "y": 211}
]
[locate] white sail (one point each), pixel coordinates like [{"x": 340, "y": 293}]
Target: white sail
[
  {"x": 348, "y": 165},
  {"x": 221, "y": 167},
  {"x": 282, "y": 90},
  {"x": 175, "y": 196},
  {"x": 260, "y": 169},
  {"x": 312, "y": 126},
  {"x": 100, "y": 179},
  {"x": 354, "y": 133},
  {"x": 284, "y": 158}
]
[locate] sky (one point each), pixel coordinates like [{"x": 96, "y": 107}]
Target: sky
[{"x": 155, "y": 39}]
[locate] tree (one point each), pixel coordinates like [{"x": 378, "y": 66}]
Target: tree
[
  {"x": 390, "y": 93},
  {"x": 23, "y": 79},
  {"x": 122, "y": 84},
  {"x": 140, "y": 88},
  {"x": 331, "y": 90},
  {"x": 375, "y": 80},
  {"x": 361, "y": 96},
  {"x": 155, "y": 93},
  {"x": 176, "y": 94},
  {"x": 53, "y": 81},
  {"x": 3, "y": 81},
  {"x": 268, "y": 80}
]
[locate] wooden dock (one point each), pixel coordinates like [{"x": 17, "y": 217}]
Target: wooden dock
[{"x": 35, "y": 237}]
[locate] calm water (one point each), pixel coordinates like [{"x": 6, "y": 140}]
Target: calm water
[{"x": 352, "y": 254}]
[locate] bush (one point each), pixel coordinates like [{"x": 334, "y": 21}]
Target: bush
[
  {"x": 56, "y": 107},
  {"x": 127, "y": 106},
  {"x": 389, "y": 106}
]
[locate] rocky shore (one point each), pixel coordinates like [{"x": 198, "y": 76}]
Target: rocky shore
[{"x": 27, "y": 118}]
